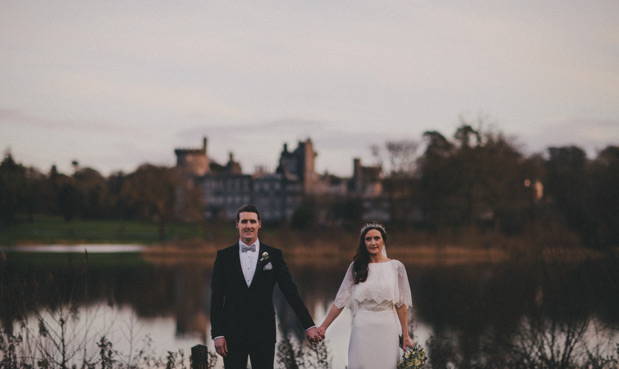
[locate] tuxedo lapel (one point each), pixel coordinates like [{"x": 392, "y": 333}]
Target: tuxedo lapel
[
  {"x": 238, "y": 270},
  {"x": 258, "y": 267}
]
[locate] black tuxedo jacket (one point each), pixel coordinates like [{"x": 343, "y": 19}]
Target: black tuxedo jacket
[{"x": 242, "y": 313}]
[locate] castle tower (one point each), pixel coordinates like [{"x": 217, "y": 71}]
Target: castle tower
[
  {"x": 190, "y": 164},
  {"x": 299, "y": 165},
  {"x": 193, "y": 161},
  {"x": 308, "y": 160}
]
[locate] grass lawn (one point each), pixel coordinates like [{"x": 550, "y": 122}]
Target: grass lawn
[{"x": 54, "y": 230}]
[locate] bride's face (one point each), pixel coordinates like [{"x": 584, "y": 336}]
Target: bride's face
[{"x": 374, "y": 242}]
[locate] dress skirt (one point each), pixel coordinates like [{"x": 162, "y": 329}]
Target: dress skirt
[{"x": 374, "y": 340}]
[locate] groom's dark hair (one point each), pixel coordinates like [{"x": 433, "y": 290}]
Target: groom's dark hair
[{"x": 247, "y": 209}]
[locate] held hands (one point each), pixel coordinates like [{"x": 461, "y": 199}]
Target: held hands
[{"x": 314, "y": 335}]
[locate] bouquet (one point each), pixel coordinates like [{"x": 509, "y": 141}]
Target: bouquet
[{"x": 413, "y": 358}]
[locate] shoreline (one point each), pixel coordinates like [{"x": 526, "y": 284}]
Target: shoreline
[{"x": 416, "y": 255}]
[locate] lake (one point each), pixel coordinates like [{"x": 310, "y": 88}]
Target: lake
[{"x": 465, "y": 312}]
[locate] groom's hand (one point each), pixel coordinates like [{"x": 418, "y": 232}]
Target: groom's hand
[
  {"x": 313, "y": 335},
  {"x": 221, "y": 346}
]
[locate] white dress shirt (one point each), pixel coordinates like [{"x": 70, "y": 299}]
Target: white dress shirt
[{"x": 249, "y": 259}]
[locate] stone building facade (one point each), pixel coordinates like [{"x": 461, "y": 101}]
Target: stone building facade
[{"x": 224, "y": 188}]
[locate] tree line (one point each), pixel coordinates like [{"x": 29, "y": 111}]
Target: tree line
[
  {"x": 481, "y": 178},
  {"x": 476, "y": 178},
  {"x": 145, "y": 194}
]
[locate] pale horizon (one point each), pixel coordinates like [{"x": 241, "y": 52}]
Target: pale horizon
[{"x": 114, "y": 84}]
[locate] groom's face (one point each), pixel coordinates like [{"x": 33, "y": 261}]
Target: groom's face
[{"x": 248, "y": 226}]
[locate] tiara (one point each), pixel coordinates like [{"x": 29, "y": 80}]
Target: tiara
[{"x": 373, "y": 225}]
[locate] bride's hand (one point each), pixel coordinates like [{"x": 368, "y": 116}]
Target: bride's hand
[
  {"x": 322, "y": 331},
  {"x": 408, "y": 342}
]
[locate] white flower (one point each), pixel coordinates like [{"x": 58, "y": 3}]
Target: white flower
[{"x": 265, "y": 256}]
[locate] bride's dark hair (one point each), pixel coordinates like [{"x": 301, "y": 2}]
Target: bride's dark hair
[{"x": 362, "y": 258}]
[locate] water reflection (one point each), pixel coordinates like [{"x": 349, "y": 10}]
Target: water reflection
[
  {"x": 475, "y": 312},
  {"x": 78, "y": 248}
]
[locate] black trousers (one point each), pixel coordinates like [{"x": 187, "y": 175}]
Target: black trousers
[{"x": 261, "y": 353}]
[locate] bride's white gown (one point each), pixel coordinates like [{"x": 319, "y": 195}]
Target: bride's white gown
[{"x": 374, "y": 339}]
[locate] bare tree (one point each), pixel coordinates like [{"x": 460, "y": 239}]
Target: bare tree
[{"x": 402, "y": 156}]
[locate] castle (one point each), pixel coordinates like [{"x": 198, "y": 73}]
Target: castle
[{"x": 225, "y": 188}]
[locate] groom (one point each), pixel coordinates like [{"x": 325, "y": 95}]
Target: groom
[{"x": 242, "y": 313}]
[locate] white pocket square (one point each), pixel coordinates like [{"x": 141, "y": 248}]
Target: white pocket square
[{"x": 269, "y": 266}]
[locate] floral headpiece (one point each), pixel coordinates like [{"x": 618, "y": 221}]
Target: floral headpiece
[{"x": 373, "y": 225}]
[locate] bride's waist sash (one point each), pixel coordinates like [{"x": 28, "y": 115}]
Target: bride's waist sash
[{"x": 371, "y": 305}]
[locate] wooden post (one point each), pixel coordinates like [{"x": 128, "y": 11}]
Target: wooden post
[{"x": 199, "y": 357}]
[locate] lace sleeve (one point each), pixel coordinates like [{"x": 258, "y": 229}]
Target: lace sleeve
[
  {"x": 403, "y": 291},
  {"x": 344, "y": 294}
]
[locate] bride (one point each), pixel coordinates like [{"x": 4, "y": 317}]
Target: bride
[{"x": 377, "y": 291}]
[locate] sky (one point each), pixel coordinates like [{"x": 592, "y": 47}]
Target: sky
[{"x": 115, "y": 84}]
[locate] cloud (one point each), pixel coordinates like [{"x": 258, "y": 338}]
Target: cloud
[
  {"x": 17, "y": 118},
  {"x": 591, "y": 135},
  {"x": 256, "y": 131}
]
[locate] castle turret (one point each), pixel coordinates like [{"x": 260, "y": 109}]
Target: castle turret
[
  {"x": 193, "y": 161},
  {"x": 233, "y": 167},
  {"x": 298, "y": 165},
  {"x": 190, "y": 164}
]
